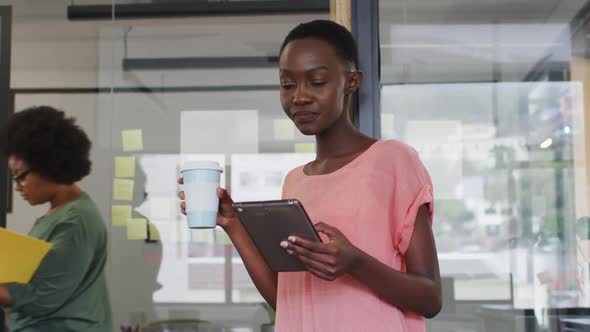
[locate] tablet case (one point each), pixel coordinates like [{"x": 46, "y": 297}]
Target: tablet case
[{"x": 270, "y": 222}]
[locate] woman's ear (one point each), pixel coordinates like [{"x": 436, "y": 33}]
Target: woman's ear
[{"x": 354, "y": 81}]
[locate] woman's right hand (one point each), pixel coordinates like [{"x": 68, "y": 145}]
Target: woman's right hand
[{"x": 226, "y": 216}]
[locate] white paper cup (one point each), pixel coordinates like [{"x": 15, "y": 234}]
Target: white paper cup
[{"x": 201, "y": 180}]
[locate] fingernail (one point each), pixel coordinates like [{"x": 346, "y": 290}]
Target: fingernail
[
  {"x": 292, "y": 239},
  {"x": 284, "y": 244},
  {"x": 290, "y": 252}
]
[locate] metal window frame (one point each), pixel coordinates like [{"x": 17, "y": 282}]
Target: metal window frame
[
  {"x": 199, "y": 63},
  {"x": 6, "y": 101},
  {"x": 199, "y": 8},
  {"x": 365, "y": 28}
]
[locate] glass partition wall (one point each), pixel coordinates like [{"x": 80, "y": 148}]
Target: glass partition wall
[
  {"x": 489, "y": 94},
  {"x": 152, "y": 93}
]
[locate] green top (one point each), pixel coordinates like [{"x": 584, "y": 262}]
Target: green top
[{"x": 68, "y": 292}]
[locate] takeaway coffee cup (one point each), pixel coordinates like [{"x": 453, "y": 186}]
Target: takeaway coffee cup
[{"x": 201, "y": 179}]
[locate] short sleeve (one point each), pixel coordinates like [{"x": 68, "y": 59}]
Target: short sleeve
[
  {"x": 286, "y": 186},
  {"x": 58, "y": 275},
  {"x": 412, "y": 189},
  {"x": 287, "y": 191}
]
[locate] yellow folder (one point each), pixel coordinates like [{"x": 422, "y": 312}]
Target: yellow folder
[{"x": 20, "y": 256}]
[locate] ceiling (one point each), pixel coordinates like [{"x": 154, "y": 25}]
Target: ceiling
[
  {"x": 422, "y": 41},
  {"x": 434, "y": 41},
  {"x": 480, "y": 11}
]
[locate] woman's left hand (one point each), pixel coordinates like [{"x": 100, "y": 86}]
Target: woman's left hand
[{"x": 327, "y": 260}]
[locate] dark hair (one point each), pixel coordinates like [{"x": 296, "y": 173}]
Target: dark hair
[
  {"x": 51, "y": 144},
  {"x": 333, "y": 33}
]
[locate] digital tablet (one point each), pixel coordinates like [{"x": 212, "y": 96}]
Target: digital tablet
[{"x": 270, "y": 222}]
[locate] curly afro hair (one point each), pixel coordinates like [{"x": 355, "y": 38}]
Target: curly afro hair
[{"x": 51, "y": 144}]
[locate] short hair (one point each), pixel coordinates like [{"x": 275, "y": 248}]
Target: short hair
[
  {"x": 51, "y": 144},
  {"x": 333, "y": 33}
]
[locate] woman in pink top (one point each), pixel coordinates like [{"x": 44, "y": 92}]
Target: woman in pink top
[{"x": 377, "y": 268}]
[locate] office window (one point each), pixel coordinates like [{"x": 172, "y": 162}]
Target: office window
[{"x": 487, "y": 93}]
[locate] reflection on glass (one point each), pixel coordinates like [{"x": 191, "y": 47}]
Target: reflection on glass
[
  {"x": 259, "y": 177},
  {"x": 193, "y": 261},
  {"x": 200, "y": 132},
  {"x": 504, "y": 182}
]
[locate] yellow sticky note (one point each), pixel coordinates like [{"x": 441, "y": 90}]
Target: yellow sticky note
[
  {"x": 122, "y": 190},
  {"x": 387, "y": 125},
  {"x": 120, "y": 214},
  {"x": 132, "y": 140},
  {"x": 221, "y": 237},
  {"x": 137, "y": 229},
  {"x": 284, "y": 130},
  {"x": 305, "y": 147},
  {"x": 124, "y": 167},
  {"x": 154, "y": 233},
  {"x": 20, "y": 256}
]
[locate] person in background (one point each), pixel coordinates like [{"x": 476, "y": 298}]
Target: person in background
[
  {"x": 371, "y": 200},
  {"x": 47, "y": 154}
]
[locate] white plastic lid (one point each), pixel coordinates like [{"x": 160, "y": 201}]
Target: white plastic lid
[{"x": 200, "y": 164}]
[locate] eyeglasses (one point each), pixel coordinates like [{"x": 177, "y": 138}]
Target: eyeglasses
[{"x": 18, "y": 179}]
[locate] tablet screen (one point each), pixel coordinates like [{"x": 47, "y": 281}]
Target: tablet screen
[{"x": 270, "y": 222}]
